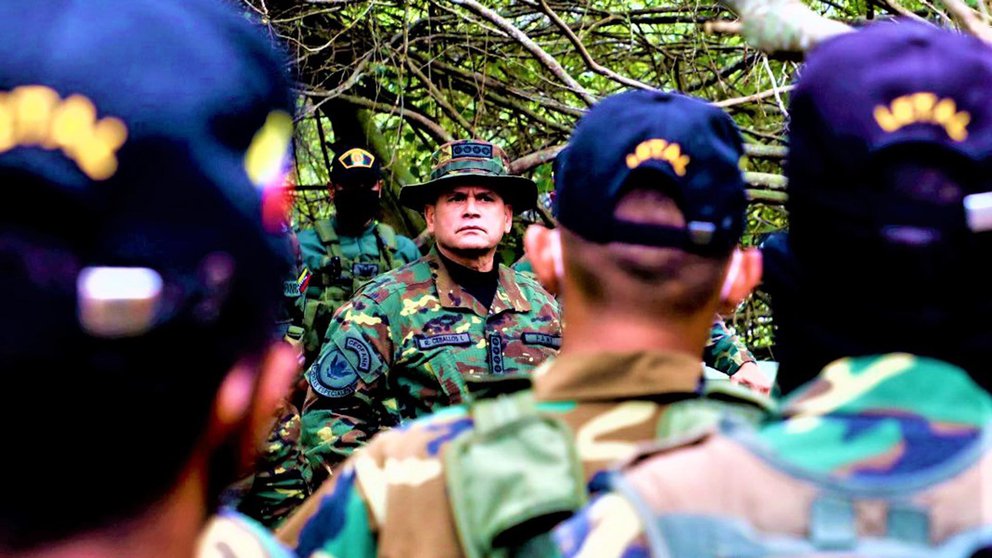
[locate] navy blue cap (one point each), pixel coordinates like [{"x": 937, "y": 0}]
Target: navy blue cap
[
  {"x": 891, "y": 139},
  {"x": 137, "y": 134},
  {"x": 690, "y": 149}
]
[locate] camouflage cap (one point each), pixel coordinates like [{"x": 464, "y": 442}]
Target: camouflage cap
[{"x": 471, "y": 163}]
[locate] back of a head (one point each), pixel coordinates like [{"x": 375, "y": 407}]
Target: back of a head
[
  {"x": 651, "y": 200},
  {"x": 890, "y": 165},
  {"x": 136, "y": 141}
]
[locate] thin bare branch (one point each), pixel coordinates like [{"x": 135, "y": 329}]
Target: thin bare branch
[
  {"x": 969, "y": 19},
  {"x": 539, "y": 53},
  {"x": 593, "y": 65},
  {"x": 752, "y": 98},
  {"x": 439, "y": 134}
]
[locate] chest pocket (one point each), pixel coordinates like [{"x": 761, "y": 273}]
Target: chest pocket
[{"x": 443, "y": 358}]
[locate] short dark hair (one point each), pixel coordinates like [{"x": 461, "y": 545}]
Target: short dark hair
[{"x": 643, "y": 278}]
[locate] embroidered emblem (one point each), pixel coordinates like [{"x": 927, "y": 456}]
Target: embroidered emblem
[
  {"x": 365, "y": 269},
  {"x": 660, "y": 150},
  {"x": 333, "y": 376},
  {"x": 923, "y": 108},
  {"x": 362, "y": 351},
  {"x": 356, "y": 158}
]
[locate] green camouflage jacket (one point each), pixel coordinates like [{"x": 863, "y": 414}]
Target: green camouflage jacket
[
  {"x": 404, "y": 346},
  {"x": 384, "y": 496},
  {"x": 336, "y": 265},
  {"x": 869, "y": 432},
  {"x": 724, "y": 350},
  {"x": 282, "y": 477}
]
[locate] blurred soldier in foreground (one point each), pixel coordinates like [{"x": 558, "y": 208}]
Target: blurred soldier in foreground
[
  {"x": 882, "y": 283},
  {"x": 137, "y": 344},
  {"x": 407, "y": 343},
  {"x": 651, "y": 207}
]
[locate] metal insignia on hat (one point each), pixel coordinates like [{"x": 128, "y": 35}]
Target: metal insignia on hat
[
  {"x": 118, "y": 301},
  {"x": 978, "y": 211}
]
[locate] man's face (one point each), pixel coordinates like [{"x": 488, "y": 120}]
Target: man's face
[
  {"x": 469, "y": 219},
  {"x": 337, "y": 189},
  {"x": 356, "y": 205}
]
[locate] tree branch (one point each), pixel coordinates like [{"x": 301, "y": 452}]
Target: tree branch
[
  {"x": 751, "y": 98},
  {"x": 439, "y": 134},
  {"x": 542, "y": 56},
  {"x": 527, "y": 162},
  {"x": 592, "y": 64},
  {"x": 784, "y": 25},
  {"x": 969, "y": 20}
]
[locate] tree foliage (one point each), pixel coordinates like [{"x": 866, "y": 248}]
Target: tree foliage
[{"x": 401, "y": 76}]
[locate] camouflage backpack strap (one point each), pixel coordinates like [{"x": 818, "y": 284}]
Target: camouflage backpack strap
[
  {"x": 682, "y": 535},
  {"x": 833, "y": 523},
  {"x": 514, "y": 476},
  {"x": 721, "y": 402},
  {"x": 387, "y": 246}
]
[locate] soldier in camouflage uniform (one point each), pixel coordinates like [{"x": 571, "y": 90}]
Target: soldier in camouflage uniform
[
  {"x": 406, "y": 343},
  {"x": 142, "y": 341},
  {"x": 724, "y": 352},
  {"x": 884, "y": 452},
  {"x": 641, "y": 290},
  {"x": 343, "y": 253},
  {"x": 337, "y": 256}
]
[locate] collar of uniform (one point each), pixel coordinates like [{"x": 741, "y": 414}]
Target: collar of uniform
[
  {"x": 611, "y": 376},
  {"x": 893, "y": 384},
  {"x": 452, "y": 295}
]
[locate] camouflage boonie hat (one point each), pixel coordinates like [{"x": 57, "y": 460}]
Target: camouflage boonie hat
[{"x": 471, "y": 163}]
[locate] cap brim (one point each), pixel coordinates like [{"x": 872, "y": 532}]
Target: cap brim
[{"x": 517, "y": 191}]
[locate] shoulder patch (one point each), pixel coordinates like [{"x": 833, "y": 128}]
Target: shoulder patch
[
  {"x": 332, "y": 375},
  {"x": 547, "y": 340},
  {"x": 362, "y": 351},
  {"x": 429, "y": 342},
  {"x": 365, "y": 269}
]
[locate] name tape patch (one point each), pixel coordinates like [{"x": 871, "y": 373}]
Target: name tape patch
[
  {"x": 443, "y": 339},
  {"x": 533, "y": 338}
]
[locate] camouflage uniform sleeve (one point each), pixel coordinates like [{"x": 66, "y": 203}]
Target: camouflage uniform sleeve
[
  {"x": 725, "y": 351},
  {"x": 406, "y": 250},
  {"x": 283, "y": 477},
  {"x": 606, "y": 527},
  {"x": 341, "y": 526},
  {"x": 346, "y": 401}
]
